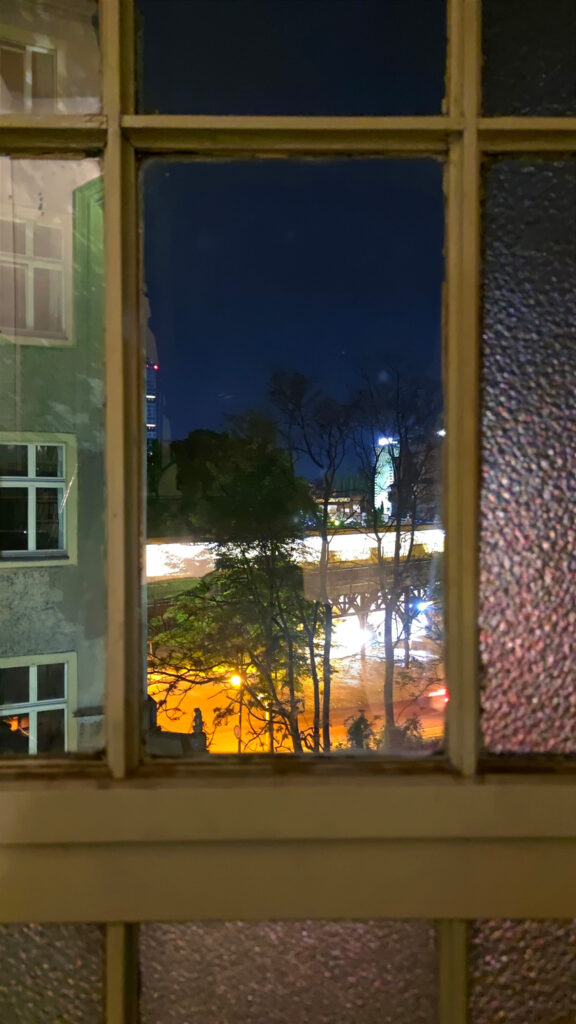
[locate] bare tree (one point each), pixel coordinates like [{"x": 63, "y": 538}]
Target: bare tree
[
  {"x": 397, "y": 422},
  {"x": 317, "y": 429}
]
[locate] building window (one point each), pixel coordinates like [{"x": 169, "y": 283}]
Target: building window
[
  {"x": 36, "y": 704},
  {"x": 31, "y": 278},
  {"x": 27, "y": 77},
  {"x": 35, "y": 486}
]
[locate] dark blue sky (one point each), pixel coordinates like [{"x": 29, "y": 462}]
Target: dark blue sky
[
  {"x": 280, "y": 57},
  {"x": 330, "y": 268}
]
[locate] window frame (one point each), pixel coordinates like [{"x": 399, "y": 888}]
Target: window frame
[
  {"x": 68, "y": 703},
  {"x": 20, "y": 41},
  {"x": 67, "y": 484},
  {"x": 122, "y": 841},
  {"x": 30, "y": 263}
]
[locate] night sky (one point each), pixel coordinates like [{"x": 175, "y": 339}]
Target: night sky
[{"x": 330, "y": 268}]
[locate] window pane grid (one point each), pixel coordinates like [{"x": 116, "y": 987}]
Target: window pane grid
[{"x": 45, "y": 500}]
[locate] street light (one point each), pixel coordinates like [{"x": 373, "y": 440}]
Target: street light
[{"x": 238, "y": 683}]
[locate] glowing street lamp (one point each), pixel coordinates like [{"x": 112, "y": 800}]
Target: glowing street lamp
[{"x": 238, "y": 683}]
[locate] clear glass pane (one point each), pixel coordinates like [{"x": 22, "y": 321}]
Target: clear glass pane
[
  {"x": 529, "y": 57},
  {"x": 315, "y": 972},
  {"x": 294, "y": 443},
  {"x": 13, "y": 460},
  {"x": 44, "y": 81},
  {"x": 522, "y": 972},
  {"x": 51, "y": 735},
  {"x": 49, "y": 59},
  {"x": 52, "y": 397},
  {"x": 47, "y": 242},
  {"x": 15, "y": 735},
  {"x": 12, "y": 236},
  {"x": 48, "y": 518},
  {"x": 528, "y": 533},
  {"x": 13, "y": 519},
  {"x": 14, "y": 685},
  {"x": 49, "y": 459},
  {"x": 52, "y": 974},
  {"x": 262, "y": 57},
  {"x": 13, "y": 313},
  {"x": 51, "y": 681},
  {"x": 12, "y": 77},
  {"x": 48, "y": 288}
]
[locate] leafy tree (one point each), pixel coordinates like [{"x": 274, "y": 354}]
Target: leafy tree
[{"x": 240, "y": 490}]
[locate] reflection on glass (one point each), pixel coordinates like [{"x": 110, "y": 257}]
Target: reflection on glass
[
  {"x": 49, "y": 57},
  {"x": 52, "y": 497},
  {"x": 294, "y": 440},
  {"x": 350, "y": 972},
  {"x": 349, "y": 57}
]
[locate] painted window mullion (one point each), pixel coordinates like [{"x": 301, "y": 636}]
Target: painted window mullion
[
  {"x": 33, "y": 684},
  {"x": 33, "y": 731}
]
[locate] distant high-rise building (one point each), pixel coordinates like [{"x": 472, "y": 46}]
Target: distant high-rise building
[
  {"x": 384, "y": 481},
  {"x": 151, "y": 403}
]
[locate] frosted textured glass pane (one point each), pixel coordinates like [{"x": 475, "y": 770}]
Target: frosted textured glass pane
[
  {"x": 374, "y": 972},
  {"x": 51, "y": 974},
  {"x": 522, "y": 972},
  {"x": 528, "y": 529},
  {"x": 529, "y": 57}
]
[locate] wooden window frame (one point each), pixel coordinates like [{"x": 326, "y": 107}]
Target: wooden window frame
[{"x": 121, "y": 841}]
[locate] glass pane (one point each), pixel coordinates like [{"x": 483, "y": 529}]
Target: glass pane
[
  {"x": 287, "y": 57},
  {"x": 14, "y": 685},
  {"x": 13, "y": 460},
  {"x": 51, "y": 681},
  {"x": 528, "y": 534},
  {"x": 48, "y": 300},
  {"x": 56, "y": 63},
  {"x": 13, "y": 519},
  {"x": 522, "y": 972},
  {"x": 12, "y": 76},
  {"x": 15, "y": 735},
  {"x": 529, "y": 57},
  {"x": 47, "y": 242},
  {"x": 294, "y": 522},
  {"x": 49, "y": 459},
  {"x": 315, "y": 972},
  {"x": 52, "y": 974},
  {"x": 52, "y": 396},
  {"x": 49, "y": 502},
  {"x": 44, "y": 85},
  {"x": 12, "y": 236},
  {"x": 51, "y": 727},
  {"x": 12, "y": 297}
]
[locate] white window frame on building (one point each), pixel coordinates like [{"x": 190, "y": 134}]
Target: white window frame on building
[
  {"x": 31, "y": 708},
  {"x": 30, "y": 102},
  {"x": 65, "y": 483},
  {"x": 29, "y": 264}
]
